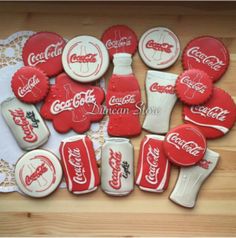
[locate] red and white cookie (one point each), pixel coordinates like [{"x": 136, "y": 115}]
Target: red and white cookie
[
  {"x": 120, "y": 39},
  {"x": 38, "y": 173},
  {"x": 184, "y": 145},
  {"x": 30, "y": 85},
  {"x": 44, "y": 50},
  {"x": 214, "y": 118},
  {"x": 72, "y": 105},
  {"x": 207, "y": 54},
  {"x": 159, "y": 48},
  {"x": 85, "y": 58},
  {"x": 194, "y": 87}
]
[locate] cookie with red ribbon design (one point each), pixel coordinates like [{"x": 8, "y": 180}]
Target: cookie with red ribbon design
[
  {"x": 120, "y": 39},
  {"x": 30, "y": 85},
  {"x": 184, "y": 145},
  {"x": 159, "y": 48},
  {"x": 194, "y": 87},
  {"x": 71, "y": 105},
  {"x": 207, "y": 54},
  {"x": 215, "y": 117},
  {"x": 44, "y": 50}
]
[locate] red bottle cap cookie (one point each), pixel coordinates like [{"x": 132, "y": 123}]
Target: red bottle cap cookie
[
  {"x": 214, "y": 118},
  {"x": 159, "y": 48},
  {"x": 185, "y": 145},
  {"x": 120, "y": 39},
  {"x": 30, "y": 85},
  {"x": 85, "y": 58},
  {"x": 38, "y": 173},
  {"x": 72, "y": 105},
  {"x": 194, "y": 87},
  {"x": 44, "y": 50},
  {"x": 208, "y": 54}
]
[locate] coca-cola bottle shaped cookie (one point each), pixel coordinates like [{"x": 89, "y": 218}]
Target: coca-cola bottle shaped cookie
[{"x": 123, "y": 96}]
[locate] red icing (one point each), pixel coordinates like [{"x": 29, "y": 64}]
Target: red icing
[
  {"x": 30, "y": 84},
  {"x": 185, "y": 145},
  {"x": 153, "y": 165},
  {"x": 194, "y": 87},
  {"x": 79, "y": 165},
  {"x": 219, "y": 111},
  {"x": 72, "y": 105},
  {"x": 123, "y": 95},
  {"x": 120, "y": 39},
  {"x": 44, "y": 50},
  {"x": 207, "y": 54}
]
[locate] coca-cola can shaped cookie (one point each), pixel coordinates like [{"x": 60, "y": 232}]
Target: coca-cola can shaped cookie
[
  {"x": 117, "y": 167},
  {"x": 25, "y": 123},
  {"x": 153, "y": 170},
  {"x": 79, "y": 164}
]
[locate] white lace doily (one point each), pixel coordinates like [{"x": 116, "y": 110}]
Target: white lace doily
[{"x": 10, "y": 62}]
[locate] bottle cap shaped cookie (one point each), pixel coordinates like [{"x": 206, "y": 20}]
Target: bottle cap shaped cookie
[
  {"x": 30, "y": 85},
  {"x": 207, "y": 54},
  {"x": 38, "y": 173},
  {"x": 85, "y": 58},
  {"x": 184, "y": 145},
  {"x": 44, "y": 50},
  {"x": 159, "y": 48},
  {"x": 120, "y": 39},
  {"x": 194, "y": 87},
  {"x": 215, "y": 117},
  {"x": 72, "y": 105}
]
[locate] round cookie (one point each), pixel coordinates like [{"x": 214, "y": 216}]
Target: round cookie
[
  {"x": 184, "y": 145},
  {"x": 30, "y": 85},
  {"x": 207, "y": 54},
  {"x": 215, "y": 117},
  {"x": 38, "y": 173}
]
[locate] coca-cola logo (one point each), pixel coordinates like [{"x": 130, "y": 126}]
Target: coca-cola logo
[
  {"x": 79, "y": 99},
  {"x": 204, "y": 164},
  {"x": 168, "y": 89},
  {"x": 128, "y": 99},
  {"x": 115, "y": 164},
  {"x": 51, "y": 51},
  {"x": 199, "y": 87},
  {"x": 76, "y": 161},
  {"x": 39, "y": 171},
  {"x": 163, "y": 47},
  {"x": 116, "y": 44},
  {"x": 217, "y": 113},
  {"x": 152, "y": 159},
  {"x": 189, "y": 147},
  {"x": 211, "y": 61},
  {"x": 88, "y": 58},
  {"x": 20, "y": 119},
  {"x": 29, "y": 86}
]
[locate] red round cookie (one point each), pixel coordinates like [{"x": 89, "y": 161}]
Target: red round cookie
[
  {"x": 208, "y": 54},
  {"x": 184, "y": 145},
  {"x": 215, "y": 117},
  {"x": 30, "y": 85},
  {"x": 44, "y": 50},
  {"x": 120, "y": 39},
  {"x": 194, "y": 87}
]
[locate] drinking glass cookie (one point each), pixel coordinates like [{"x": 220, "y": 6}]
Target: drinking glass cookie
[
  {"x": 184, "y": 145},
  {"x": 159, "y": 48},
  {"x": 44, "y": 50},
  {"x": 30, "y": 85},
  {"x": 85, "y": 58},
  {"x": 207, "y": 54},
  {"x": 215, "y": 117},
  {"x": 120, "y": 39},
  {"x": 72, "y": 105},
  {"x": 194, "y": 87},
  {"x": 38, "y": 173}
]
